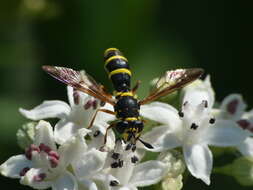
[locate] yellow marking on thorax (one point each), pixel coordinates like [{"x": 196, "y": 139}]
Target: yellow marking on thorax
[
  {"x": 131, "y": 119},
  {"x": 117, "y": 71},
  {"x": 124, "y": 94},
  {"x": 110, "y": 49},
  {"x": 115, "y": 57}
]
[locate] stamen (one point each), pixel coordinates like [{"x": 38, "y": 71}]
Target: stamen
[
  {"x": 30, "y": 149},
  {"x": 96, "y": 133},
  {"x": 102, "y": 103},
  {"x": 88, "y": 104},
  {"x": 128, "y": 147},
  {"x": 54, "y": 154},
  {"x": 114, "y": 183},
  {"x": 76, "y": 97},
  {"x": 180, "y": 113},
  {"x": 194, "y": 126},
  {"x": 134, "y": 147},
  {"x": 114, "y": 165},
  {"x": 121, "y": 162},
  {"x": 40, "y": 177},
  {"x": 134, "y": 159},
  {"x": 205, "y": 103},
  {"x": 243, "y": 123},
  {"x": 115, "y": 156},
  {"x": 53, "y": 162},
  {"x": 212, "y": 121},
  {"x": 23, "y": 171},
  {"x": 45, "y": 148},
  {"x": 232, "y": 106},
  {"x": 186, "y": 102},
  {"x": 95, "y": 104}
]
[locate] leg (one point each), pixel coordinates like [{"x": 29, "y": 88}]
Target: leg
[
  {"x": 136, "y": 86},
  {"x": 107, "y": 129},
  {"x": 103, "y": 110}
]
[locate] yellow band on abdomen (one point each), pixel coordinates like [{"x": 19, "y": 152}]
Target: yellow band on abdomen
[
  {"x": 115, "y": 57},
  {"x": 131, "y": 119},
  {"x": 124, "y": 94},
  {"x": 117, "y": 71}
]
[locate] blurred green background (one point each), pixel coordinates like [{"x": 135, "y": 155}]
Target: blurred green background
[{"x": 154, "y": 35}]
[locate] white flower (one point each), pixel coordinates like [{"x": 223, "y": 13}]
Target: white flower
[
  {"x": 192, "y": 128},
  {"x": 72, "y": 117},
  {"x": 125, "y": 173},
  {"x": 43, "y": 165},
  {"x": 233, "y": 108}
]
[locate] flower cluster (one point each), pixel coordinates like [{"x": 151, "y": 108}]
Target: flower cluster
[{"x": 71, "y": 155}]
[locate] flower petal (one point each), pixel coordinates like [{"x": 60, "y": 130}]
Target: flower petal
[
  {"x": 70, "y": 93},
  {"x": 89, "y": 163},
  {"x": 161, "y": 113},
  {"x": 198, "y": 91},
  {"x": 199, "y": 161},
  {"x": 224, "y": 133},
  {"x": 29, "y": 180},
  {"x": 14, "y": 165},
  {"x": 44, "y": 134},
  {"x": 48, "y": 109},
  {"x": 246, "y": 147},
  {"x": 64, "y": 130},
  {"x": 74, "y": 146},
  {"x": 88, "y": 184},
  {"x": 65, "y": 182},
  {"x": 148, "y": 173},
  {"x": 161, "y": 138},
  {"x": 234, "y": 106},
  {"x": 103, "y": 117}
]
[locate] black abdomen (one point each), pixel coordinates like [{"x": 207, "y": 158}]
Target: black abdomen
[
  {"x": 118, "y": 69},
  {"x": 127, "y": 107}
]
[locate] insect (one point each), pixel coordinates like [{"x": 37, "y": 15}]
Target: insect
[{"x": 129, "y": 124}]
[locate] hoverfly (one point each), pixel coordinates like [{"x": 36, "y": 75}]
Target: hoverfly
[{"x": 129, "y": 124}]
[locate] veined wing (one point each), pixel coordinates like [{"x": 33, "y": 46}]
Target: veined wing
[
  {"x": 80, "y": 81},
  {"x": 172, "y": 81}
]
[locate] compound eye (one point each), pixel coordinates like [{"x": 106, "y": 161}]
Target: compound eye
[{"x": 121, "y": 126}]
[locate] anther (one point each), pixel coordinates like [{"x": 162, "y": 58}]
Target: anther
[
  {"x": 186, "y": 102},
  {"x": 115, "y": 155},
  {"x": 205, "y": 103},
  {"x": 194, "y": 126},
  {"x": 45, "y": 148},
  {"x": 232, "y": 106},
  {"x": 76, "y": 97},
  {"x": 102, "y": 103},
  {"x": 40, "y": 177},
  {"x": 134, "y": 159},
  {"x": 88, "y": 104},
  {"x": 134, "y": 147},
  {"x": 128, "y": 147},
  {"x": 243, "y": 123},
  {"x": 30, "y": 149},
  {"x": 180, "y": 113},
  {"x": 53, "y": 162},
  {"x": 114, "y": 183},
  {"x": 23, "y": 171},
  {"x": 95, "y": 104},
  {"x": 120, "y": 163},
  {"x": 114, "y": 165},
  {"x": 96, "y": 133},
  {"x": 212, "y": 121}
]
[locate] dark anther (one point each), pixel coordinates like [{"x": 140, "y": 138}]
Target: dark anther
[
  {"x": 205, "y": 103},
  {"x": 212, "y": 121},
  {"x": 95, "y": 104},
  {"x": 194, "y": 126},
  {"x": 114, "y": 165},
  {"x": 134, "y": 147},
  {"x": 115, "y": 155},
  {"x": 102, "y": 103},
  {"x": 186, "y": 102},
  {"x": 96, "y": 133},
  {"x": 114, "y": 183},
  {"x": 128, "y": 147},
  {"x": 120, "y": 164},
  {"x": 134, "y": 159},
  {"x": 180, "y": 113}
]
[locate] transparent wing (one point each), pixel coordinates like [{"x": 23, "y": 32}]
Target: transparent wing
[
  {"x": 80, "y": 81},
  {"x": 172, "y": 81}
]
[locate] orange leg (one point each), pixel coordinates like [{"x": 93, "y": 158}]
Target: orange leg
[
  {"x": 94, "y": 117},
  {"x": 136, "y": 86}
]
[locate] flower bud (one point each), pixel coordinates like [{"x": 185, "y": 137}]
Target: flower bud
[
  {"x": 172, "y": 183},
  {"x": 25, "y": 135}
]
